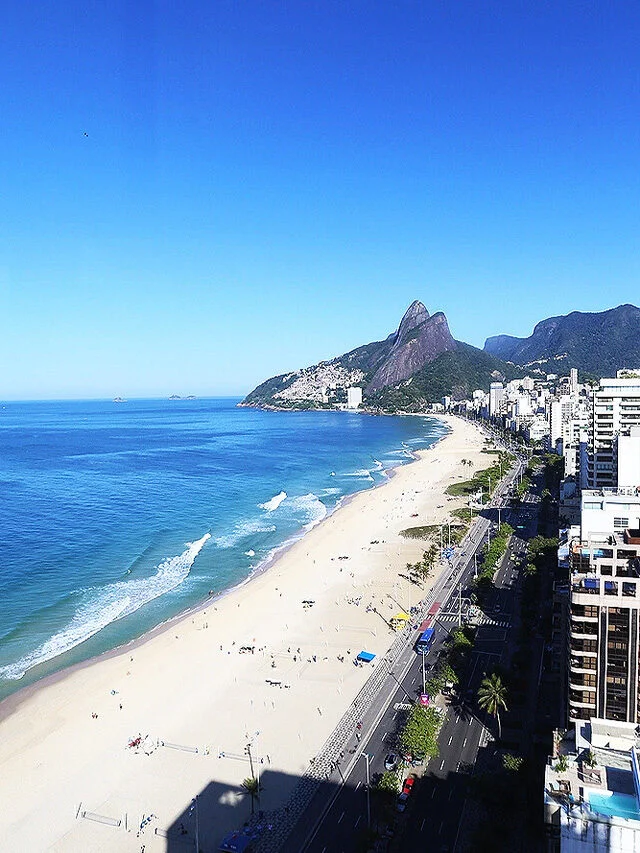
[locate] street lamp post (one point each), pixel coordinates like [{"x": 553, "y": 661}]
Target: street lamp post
[{"x": 367, "y": 758}]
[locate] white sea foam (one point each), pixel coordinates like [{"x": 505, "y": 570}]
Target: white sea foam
[
  {"x": 330, "y": 491},
  {"x": 274, "y": 503},
  {"x": 100, "y": 607},
  {"x": 311, "y": 508},
  {"x": 361, "y": 474},
  {"x": 250, "y": 553},
  {"x": 241, "y": 531}
]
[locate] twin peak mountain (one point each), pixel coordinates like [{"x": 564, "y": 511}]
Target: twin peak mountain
[{"x": 421, "y": 362}]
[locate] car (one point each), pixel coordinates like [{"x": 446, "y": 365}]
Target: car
[
  {"x": 418, "y": 759},
  {"x": 407, "y": 788},
  {"x": 391, "y": 761}
]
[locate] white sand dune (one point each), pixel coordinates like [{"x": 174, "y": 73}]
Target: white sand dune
[{"x": 188, "y": 685}]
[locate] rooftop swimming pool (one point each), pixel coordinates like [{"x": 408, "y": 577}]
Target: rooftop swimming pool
[{"x": 614, "y": 804}]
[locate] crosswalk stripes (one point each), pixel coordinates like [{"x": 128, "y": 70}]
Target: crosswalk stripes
[{"x": 478, "y": 620}]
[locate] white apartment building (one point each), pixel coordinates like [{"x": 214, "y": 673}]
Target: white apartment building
[
  {"x": 607, "y": 511},
  {"x": 354, "y": 397},
  {"x": 626, "y": 456},
  {"x": 496, "y": 396},
  {"x": 615, "y": 409}
]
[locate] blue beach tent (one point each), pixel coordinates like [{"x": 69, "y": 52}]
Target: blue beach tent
[{"x": 365, "y": 657}]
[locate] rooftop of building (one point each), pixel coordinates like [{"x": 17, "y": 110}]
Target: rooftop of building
[
  {"x": 611, "y": 492},
  {"x": 591, "y": 776}
]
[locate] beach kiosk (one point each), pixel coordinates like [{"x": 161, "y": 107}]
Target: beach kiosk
[
  {"x": 398, "y": 621},
  {"x": 364, "y": 657}
]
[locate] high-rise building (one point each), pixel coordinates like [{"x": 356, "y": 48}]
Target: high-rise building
[
  {"x": 626, "y": 457},
  {"x": 615, "y": 409},
  {"x": 496, "y": 396},
  {"x": 604, "y": 671},
  {"x": 573, "y": 380}
]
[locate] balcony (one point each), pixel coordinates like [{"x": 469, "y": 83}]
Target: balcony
[
  {"x": 579, "y": 617},
  {"x": 587, "y": 632},
  {"x": 576, "y": 703},
  {"x": 610, "y": 588},
  {"x": 579, "y": 665},
  {"x": 577, "y": 686}
]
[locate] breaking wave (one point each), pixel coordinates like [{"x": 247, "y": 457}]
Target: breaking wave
[
  {"x": 274, "y": 503},
  {"x": 361, "y": 474},
  {"x": 311, "y": 508},
  {"x": 101, "y": 607},
  {"x": 241, "y": 531}
]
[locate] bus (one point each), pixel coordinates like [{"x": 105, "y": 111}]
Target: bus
[
  {"x": 427, "y": 630},
  {"x": 425, "y": 641}
]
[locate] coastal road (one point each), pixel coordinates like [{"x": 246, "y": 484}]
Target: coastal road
[{"x": 463, "y": 732}]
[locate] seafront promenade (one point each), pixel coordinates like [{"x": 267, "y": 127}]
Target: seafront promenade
[{"x": 197, "y": 703}]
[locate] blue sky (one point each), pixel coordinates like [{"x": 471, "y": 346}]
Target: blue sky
[{"x": 266, "y": 184}]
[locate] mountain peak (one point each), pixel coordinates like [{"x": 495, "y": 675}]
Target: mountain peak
[
  {"x": 420, "y": 339},
  {"x": 414, "y": 316}
]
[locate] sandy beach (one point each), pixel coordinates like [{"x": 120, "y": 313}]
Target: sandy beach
[{"x": 64, "y": 744}]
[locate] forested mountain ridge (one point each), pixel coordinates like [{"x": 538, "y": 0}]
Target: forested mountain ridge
[{"x": 597, "y": 343}]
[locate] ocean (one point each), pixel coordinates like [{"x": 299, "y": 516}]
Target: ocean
[{"x": 115, "y": 517}]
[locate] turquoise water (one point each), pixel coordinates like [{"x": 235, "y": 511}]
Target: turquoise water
[
  {"x": 614, "y": 804},
  {"x": 117, "y": 516}
]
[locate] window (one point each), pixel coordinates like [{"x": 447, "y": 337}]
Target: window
[{"x": 620, "y": 523}]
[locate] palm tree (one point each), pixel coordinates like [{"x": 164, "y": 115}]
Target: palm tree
[
  {"x": 492, "y": 696},
  {"x": 252, "y": 787}
]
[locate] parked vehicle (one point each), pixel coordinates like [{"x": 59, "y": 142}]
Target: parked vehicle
[
  {"x": 391, "y": 761},
  {"x": 407, "y": 788}
]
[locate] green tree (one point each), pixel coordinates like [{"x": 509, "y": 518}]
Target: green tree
[
  {"x": 492, "y": 697},
  {"x": 420, "y": 734},
  {"x": 512, "y": 762},
  {"x": 389, "y": 782},
  {"x": 252, "y": 787}
]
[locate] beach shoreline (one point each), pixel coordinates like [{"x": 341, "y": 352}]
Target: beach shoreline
[
  {"x": 12, "y": 702},
  {"x": 185, "y": 683}
]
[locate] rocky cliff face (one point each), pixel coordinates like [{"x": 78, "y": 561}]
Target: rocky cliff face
[{"x": 420, "y": 339}]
